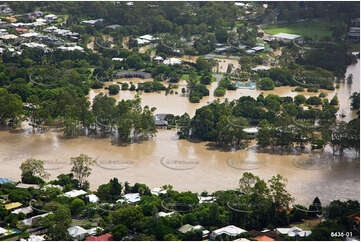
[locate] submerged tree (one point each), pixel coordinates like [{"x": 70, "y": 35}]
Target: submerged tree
[{"x": 82, "y": 167}]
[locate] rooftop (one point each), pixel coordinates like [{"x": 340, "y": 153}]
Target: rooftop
[
  {"x": 229, "y": 230},
  {"x": 93, "y": 198},
  {"x": 287, "y": 36},
  {"x": 104, "y": 237},
  {"x": 10, "y": 206},
  {"x": 263, "y": 238},
  {"x": 172, "y": 61},
  {"x": 5, "y": 180},
  {"x": 187, "y": 228},
  {"x": 74, "y": 193},
  {"x": 26, "y": 210}
]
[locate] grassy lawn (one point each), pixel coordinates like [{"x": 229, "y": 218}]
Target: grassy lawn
[{"x": 311, "y": 29}]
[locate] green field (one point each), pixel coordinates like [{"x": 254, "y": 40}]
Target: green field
[{"x": 311, "y": 29}]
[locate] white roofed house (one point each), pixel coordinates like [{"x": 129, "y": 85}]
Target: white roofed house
[
  {"x": 80, "y": 233},
  {"x": 31, "y": 221},
  {"x": 92, "y": 21},
  {"x": 74, "y": 193},
  {"x": 230, "y": 230},
  {"x": 294, "y": 232},
  {"x": 117, "y": 59},
  {"x": 92, "y": 198},
  {"x": 130, "y": 198},
  {"x": 163, "y": 214},
  {"x": 208, "y": 199},
  {"x": 258, "y": 48},
  {"x": 261, "y": 68},
  {"x": 157, "y": 191},
  {"x": 8, "y": 36},
  {"x": 35, "y": 45},
  {"x": 251, "y": 131},
  {"x": 71, "y": 48},
  {"x": 146, "y": 39},
  {"x": 172, "y": 61},
  {"x": 50, "y": 17},
  {"x": 25, "y": 211},
  {"x": 188, "y": 228},
  {"x": 158, "y": 59}
]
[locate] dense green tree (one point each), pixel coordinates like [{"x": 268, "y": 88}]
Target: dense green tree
[
  {"x": 119, "y": 231},
  {"x": 114, "y": 89},
  {"x": 76, "y": 206},
  {"x": 132, "y": 217},
  {"x": 57, "y": 223},
  {"x": 265, "y": 84},
  {"x": 11, "y": 106}
]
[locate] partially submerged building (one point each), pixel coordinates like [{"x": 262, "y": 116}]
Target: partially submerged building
[{"x": 133, "y": 74}]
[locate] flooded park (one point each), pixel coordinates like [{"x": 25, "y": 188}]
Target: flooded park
[{"x": 195, "y": 166}]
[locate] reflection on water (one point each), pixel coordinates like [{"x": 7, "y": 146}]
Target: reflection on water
[{"x": 187, "y": 165}]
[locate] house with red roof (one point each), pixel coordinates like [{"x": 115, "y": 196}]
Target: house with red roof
[
  {"x": 104, "y": 237},
  {"x": 263, "y": 238}
]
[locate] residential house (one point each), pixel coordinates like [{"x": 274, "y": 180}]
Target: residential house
[
  {"x": 113, "y": 26},
  {"x": 11, "y": 206},
  {"x": 31, "y": 221},
  {"x": 261, "y": 68},
  {"x": 71, "y": 48},
  {"x": 92, "y": 198},
  {"x": 130, "y": 198},
  {"x": 157, "y": 191},
  {"x": 104, "y": 237},
  {"x": 6, "y": 180},
  {"x": 23, "y": 185},
  {"x": 93, "y": 21},
  {"x": 208, "y": 199},
  {"x": 188, "y": 228},
  {"x": 80, "y": 233},
  {"x": 172, "y": 61},
  {"x": 50, "y": 17},
  {"x": 133, "y": 74},
  {"x": 163, "y": 214},
  {"x": 117, "y": 59},
  {"x": 230, "y": 230},
  {"x": 25, "y": 210},
  {"x": 34, "y": 237},
  {"x": 354, "y": 33},
  {"x": 74, "y": 193},
  {"x": 293, "y": 232},
  {"x": 159, "y": 120},
  {"x": 5, "y": 9}
]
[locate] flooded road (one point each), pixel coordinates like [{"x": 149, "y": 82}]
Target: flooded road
[{"x": 189, "y": 165}]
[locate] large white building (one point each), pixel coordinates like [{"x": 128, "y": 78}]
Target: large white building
[{"x": 286, "y": 38}]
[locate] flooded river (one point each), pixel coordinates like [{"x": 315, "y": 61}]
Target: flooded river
[{"x": 188, "y": 165}]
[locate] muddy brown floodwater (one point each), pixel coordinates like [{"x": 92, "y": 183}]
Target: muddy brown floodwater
[{"x": 189, "y": 165}]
